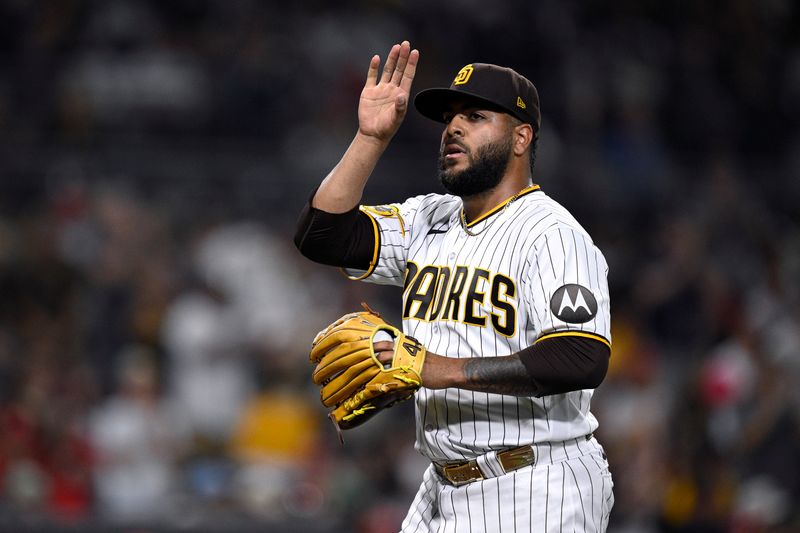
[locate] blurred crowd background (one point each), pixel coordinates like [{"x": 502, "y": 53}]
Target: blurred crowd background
[{"x": 155, "y": 318}]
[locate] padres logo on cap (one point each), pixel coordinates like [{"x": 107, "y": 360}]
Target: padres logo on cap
[{"x": 463, "y": 75}]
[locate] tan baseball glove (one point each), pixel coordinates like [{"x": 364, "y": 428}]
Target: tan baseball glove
[{"x": 355, "y": 383}]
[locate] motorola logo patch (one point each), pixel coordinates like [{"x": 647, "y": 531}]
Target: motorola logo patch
[{"x": 574, "y": 304}]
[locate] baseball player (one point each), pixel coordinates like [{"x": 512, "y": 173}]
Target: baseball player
[{"x": 503, "y": 287}]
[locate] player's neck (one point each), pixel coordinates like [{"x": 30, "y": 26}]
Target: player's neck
[{"x": 477, "y": 205}]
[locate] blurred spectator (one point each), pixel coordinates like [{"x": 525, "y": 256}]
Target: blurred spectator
[
  {"x": 139, "y": 438},
  {"x": 45, "y": 458},
  {"x": 235, "y": 326},
  {"x": 209, "y": 374},
  {"x": 277, "y": 445}
]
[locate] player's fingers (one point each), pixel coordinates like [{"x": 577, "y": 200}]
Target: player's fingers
[
  {"x": 372, "y": 73},
  {"x": 381, "y": 346},
  {"x": 402, "y": 59},
  {"x": 386, "y": 356},
  {"x": 384, "y": 351},
  {"x": 391, "y": 61},
  {"x": 410, "y": 71}
]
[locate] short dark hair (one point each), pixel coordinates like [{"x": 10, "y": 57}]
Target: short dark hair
[{"x": 534, "y": 149}]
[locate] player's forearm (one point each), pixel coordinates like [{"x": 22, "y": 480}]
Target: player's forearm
[
  {"x": 551, "y": 366},
  {"x": 498, "y": 375},
  {"x": 342, "y": 188}
]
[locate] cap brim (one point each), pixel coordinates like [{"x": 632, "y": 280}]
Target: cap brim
[{"x": 432, "y": 103}]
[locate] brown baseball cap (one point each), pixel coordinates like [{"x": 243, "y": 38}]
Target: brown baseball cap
[{"x": 497, "y": 86}]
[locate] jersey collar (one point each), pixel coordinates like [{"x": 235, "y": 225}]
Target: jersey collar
[{"x": 502, "y": 204}]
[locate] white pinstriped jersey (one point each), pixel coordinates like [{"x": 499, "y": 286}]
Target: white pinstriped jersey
[{"x": 529, "y": 272}]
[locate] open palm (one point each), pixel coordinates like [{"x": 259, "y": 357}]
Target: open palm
[{"x": 384, "y": 101}]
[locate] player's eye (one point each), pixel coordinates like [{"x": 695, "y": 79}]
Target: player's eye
[{"x": 475, "y": 115}]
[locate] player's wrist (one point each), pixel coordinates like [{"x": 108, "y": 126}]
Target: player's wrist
[
  {"x": 440, "y": 372},
  {"x": 372, "y": 140}
]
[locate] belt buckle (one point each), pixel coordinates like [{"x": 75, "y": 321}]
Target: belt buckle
[
  {"x": 516, "y": 458},
  {"x": 461, "y": 474}
]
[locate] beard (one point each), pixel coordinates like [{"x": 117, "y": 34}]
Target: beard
[{"x": 485, "y": 170}]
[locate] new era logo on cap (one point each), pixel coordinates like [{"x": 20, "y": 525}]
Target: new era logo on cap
[{"x": 500, "y": 87}]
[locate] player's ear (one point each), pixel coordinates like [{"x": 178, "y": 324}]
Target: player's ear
[{"x": 523, "y": 136}]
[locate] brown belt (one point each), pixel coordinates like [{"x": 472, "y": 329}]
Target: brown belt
[
  {"x": 468, "y": 471},
  {"x": 509, "y": 460}
]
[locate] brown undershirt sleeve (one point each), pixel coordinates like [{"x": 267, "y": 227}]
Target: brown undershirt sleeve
[
  {"x": 344, "y": 240},
  {"x": 566, "y": 363}
]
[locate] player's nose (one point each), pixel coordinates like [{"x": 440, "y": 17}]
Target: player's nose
[{"x": 455, "y": 127}]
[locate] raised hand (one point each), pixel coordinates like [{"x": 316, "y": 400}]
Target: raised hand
[{"x": 384, "y": 101}]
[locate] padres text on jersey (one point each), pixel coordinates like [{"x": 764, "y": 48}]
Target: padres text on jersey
[{"x": 524, "y": 272}]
